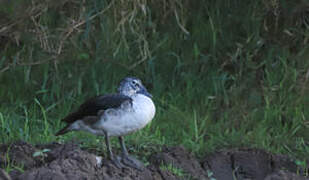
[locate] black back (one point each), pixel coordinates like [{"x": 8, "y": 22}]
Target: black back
[{"x": 92, "y": 106}]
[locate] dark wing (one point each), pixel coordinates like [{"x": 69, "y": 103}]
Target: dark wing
[{"x": 92, "y": 106}]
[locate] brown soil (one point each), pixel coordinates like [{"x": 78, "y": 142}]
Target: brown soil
[{"x": 68, "y": 161}]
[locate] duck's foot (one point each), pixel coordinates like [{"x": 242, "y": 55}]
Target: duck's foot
[
  {"x": 116, "y": 160},
  {"x": 132, "y": 162}
]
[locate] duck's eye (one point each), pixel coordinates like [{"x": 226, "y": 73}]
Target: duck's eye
[{"x": 135, "y": 83}]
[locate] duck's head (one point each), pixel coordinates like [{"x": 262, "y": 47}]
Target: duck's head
[{"x": 130, "y": 86}]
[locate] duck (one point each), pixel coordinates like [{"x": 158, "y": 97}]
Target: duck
[{"x": 115, "y": 115}]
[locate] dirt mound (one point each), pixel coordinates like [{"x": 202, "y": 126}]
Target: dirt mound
[
  {"x": 252, "y": 164},
  {"x": 68, "y": 161},
  {"x": 19, "y": 153},
  {"x": 178, "y": 159}
]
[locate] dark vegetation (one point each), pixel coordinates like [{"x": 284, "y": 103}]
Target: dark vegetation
[{"x": 223, "y": 73}]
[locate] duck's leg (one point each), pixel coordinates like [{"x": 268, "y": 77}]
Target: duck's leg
[
  {"x": 127, "y": 159},
  {"x": 111, "y": 156}
]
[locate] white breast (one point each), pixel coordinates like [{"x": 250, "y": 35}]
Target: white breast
[{"x": 127, "y": 119}]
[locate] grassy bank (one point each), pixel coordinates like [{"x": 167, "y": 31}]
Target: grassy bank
[{"x": 223, "y": 73}]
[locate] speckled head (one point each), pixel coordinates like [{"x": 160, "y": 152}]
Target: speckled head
[{"x": 132, "y": 85}]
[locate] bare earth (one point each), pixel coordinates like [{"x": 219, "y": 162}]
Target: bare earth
[{"x": 68, "y": 161}]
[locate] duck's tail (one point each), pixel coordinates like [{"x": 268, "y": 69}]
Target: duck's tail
[{"x": 63, "y": 130}]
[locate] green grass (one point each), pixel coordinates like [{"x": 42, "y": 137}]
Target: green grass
[
  {"x": 230, "y": 83},
  {"x": 171, "y": 168}
]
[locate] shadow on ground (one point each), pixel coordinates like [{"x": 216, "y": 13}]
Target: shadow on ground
[{"x": 68, "y": 161}]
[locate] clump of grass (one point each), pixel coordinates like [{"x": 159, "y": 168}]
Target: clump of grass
[
  {"x": 171, "y": 168},
  {"x": 11, "y": 165}
]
